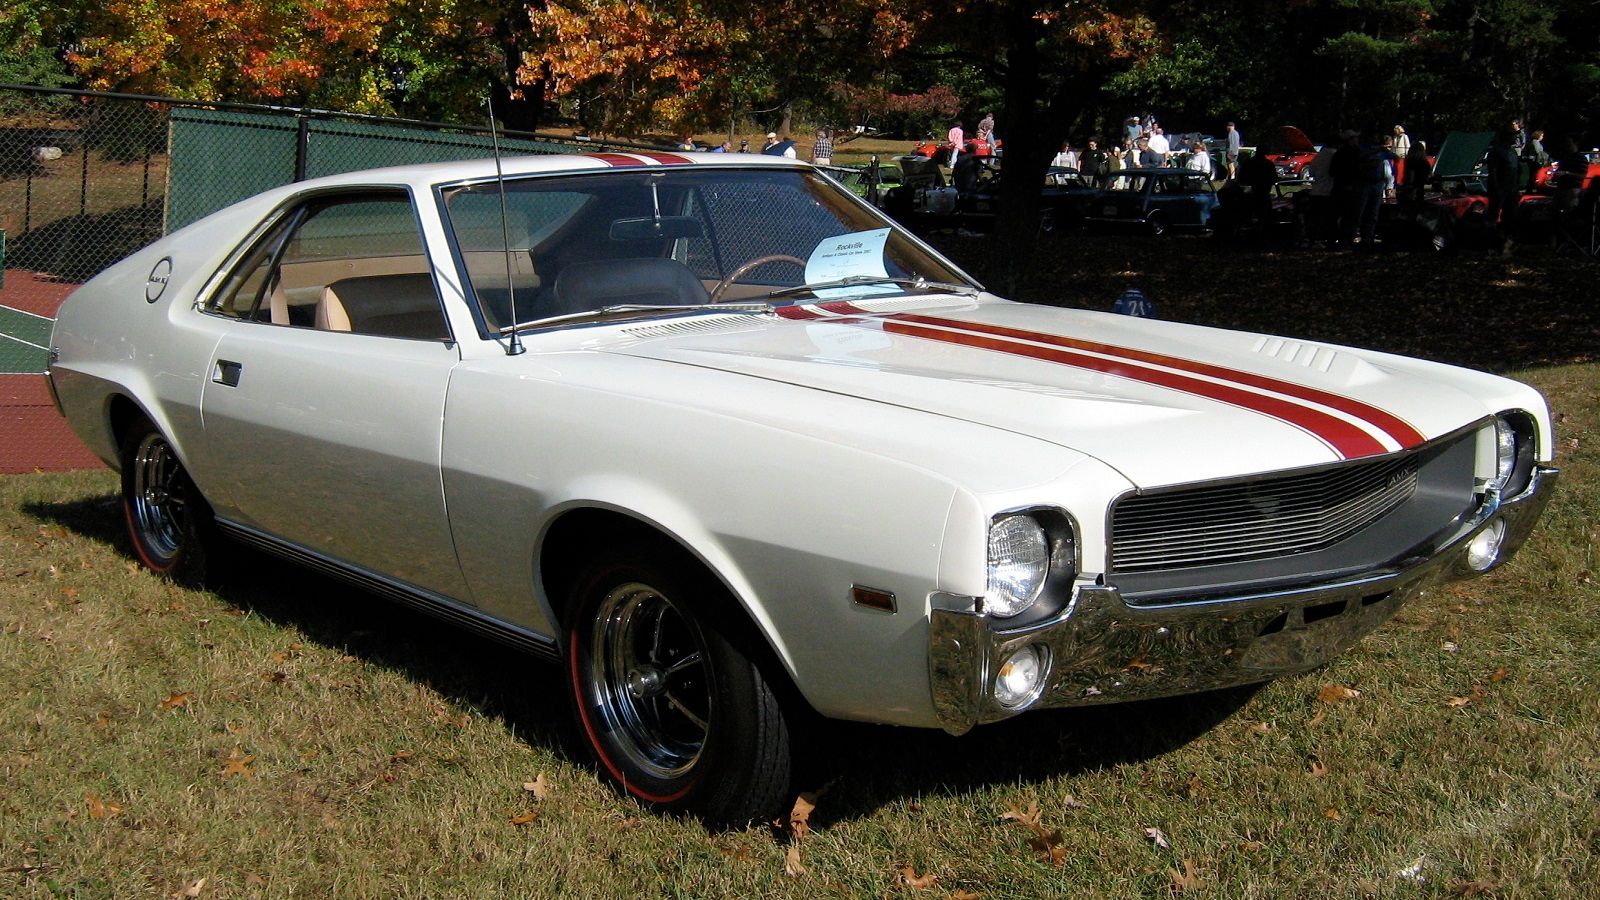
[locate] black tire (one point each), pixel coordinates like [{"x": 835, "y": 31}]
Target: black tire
[
  {"x": 674, "y": 707},
  {"x": 169, "y": 522},
  {"x": 1156, "y": 225}
]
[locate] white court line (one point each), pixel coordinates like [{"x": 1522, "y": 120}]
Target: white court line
[
  {"x": 21, "y": 341},
  {"x": 26, "y": 313}
]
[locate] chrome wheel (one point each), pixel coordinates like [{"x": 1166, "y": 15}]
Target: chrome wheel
[
  {"x": 651, "y": 680},
  {"x": 158, "y": 501}
]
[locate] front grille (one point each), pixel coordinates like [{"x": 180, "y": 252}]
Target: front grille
[{"x": 1257, "y": 519}]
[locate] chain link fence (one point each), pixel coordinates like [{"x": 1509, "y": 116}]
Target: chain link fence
[{"x": 87, "y": 178}]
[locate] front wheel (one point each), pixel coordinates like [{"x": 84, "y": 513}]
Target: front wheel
[
  {"x": 1156, "y": 225},
  {"x": 168, "y": 520},
  {"x": 675, "y": 709}
]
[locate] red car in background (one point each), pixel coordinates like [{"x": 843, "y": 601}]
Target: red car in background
[
  {"x": 1545, "y": 178},
  {"x": 1294, "y": 158}
]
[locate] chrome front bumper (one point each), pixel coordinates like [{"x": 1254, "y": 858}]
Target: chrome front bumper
[{"x": 1103, "y": 650}]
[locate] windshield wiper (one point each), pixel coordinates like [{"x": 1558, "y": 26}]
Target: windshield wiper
[
  {"x": 918, "y": 283},
  {"x": 623, "y": 309}
]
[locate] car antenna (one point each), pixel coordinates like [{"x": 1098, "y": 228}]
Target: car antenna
[{"x": 514, "y": 348}]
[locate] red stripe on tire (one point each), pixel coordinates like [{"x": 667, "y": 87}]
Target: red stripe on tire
[{"x": 594, "y": 739}]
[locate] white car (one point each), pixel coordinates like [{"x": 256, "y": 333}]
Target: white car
[{"x": 722, "y": 441}]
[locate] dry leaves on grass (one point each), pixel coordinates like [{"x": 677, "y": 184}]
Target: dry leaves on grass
[
  {"x": 1158, "y": 837},
  {"x": 178, "y": 700},
  {"x": 539, "y": 787},
  {"x": 910, "y": 878},
  {"x": 101, "y": 809},
  {"x": 1337, "y": 693},
  {"x": 796, "y": 829},
  {"x": 1044, "y": 841},
  {"x": 1187, "y": 880},
  {"x": 238, "y": 764}
]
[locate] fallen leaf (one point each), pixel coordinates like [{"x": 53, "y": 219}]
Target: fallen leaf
[
  {"x": 1332, "y": 814},
  {"x": 1499, "y": 675},
  {"x": 1474, "y": 888},
  {"x": 791, "y": 862},
  {"x": 1158, "y": 837},
  {"x": 1261, "y": 728},
  {"x": 920, "y": 882},
  {"x": 1336, "y": 693},
  {"x": 525, "y": 818},
  {"x": 99, "y": 809},
  {"x": 400, "y": 756},
  {"x": 1449, "y": 647},
  {"x": 1318, "y": 769},
  {"x": 963, "y": 894},
  {"x": 800, "y": 815},
  {"x": 1187, "y": 880},
  {"x": 238, "y": 763},
  {"x": 178, "y": 700},
  {"x": 1413, "y": 872},
  {"x": 539, "y": 787},
  {"x": 274, "y": 677},
  {"x": 1318, "y": 719},
  {"x": 1048, "y": 843},
  {"x": 1030, "y": 816},
  {"x": 1071, "y": 802},
  {"x": 1457, "y": 702},
  {"x": 193, "y": 890}
]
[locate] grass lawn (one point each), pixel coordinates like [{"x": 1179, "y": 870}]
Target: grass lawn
[{"x": 286, "y": 736}]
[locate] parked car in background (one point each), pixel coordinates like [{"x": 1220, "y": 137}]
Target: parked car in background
[
  {"x": 1157, "y": 200},
  {"x": 1293, "y": 153},
  {"x": 725, "y": 444}
]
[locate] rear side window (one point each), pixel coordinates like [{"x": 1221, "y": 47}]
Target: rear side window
[{"x": 342, "y": 263}]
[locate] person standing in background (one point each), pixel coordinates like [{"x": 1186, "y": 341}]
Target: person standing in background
[
  {"x": 1235, "y": 141},
  {"x": 822, "y": 150},
  {"x": 1402, "y": 151},
  {"x": 958, "y": 139}
]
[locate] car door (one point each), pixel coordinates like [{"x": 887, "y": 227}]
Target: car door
[{"x": 324, "y": 407}]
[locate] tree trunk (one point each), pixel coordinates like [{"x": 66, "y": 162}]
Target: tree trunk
[{"x": 1026, "y": 156}]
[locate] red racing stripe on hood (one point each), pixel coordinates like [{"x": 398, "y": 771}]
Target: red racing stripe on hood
[
  {"x": 1402, "y": 431},
  {"x": 1344, "y": 438},
  {"x": 617, "y": 160}
]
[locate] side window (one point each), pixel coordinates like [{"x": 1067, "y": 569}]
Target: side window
[{"x": 351, "y": 263}]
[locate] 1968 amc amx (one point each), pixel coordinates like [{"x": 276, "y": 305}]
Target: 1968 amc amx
[{"x": 721, "y": 440}]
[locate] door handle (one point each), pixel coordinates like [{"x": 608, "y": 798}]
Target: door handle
[{"x": 227, "y": 372}]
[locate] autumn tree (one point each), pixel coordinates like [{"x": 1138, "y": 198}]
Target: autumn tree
[{"x": 687, "y": 65}]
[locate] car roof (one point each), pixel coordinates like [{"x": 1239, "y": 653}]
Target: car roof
[{"x": 518, "y": 165}]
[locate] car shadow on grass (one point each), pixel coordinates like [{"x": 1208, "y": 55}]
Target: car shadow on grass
[{"x": 528, "y": 694}]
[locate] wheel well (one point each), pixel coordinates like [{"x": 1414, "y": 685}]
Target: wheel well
[
  {"x": 122, "y": 413},
  {"x": 580, "y": 535}
]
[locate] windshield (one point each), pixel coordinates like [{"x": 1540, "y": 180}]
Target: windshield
[{"x": 678, "y": 238}]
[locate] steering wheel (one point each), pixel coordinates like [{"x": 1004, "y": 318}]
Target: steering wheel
[{"x": 731, "y": 277}]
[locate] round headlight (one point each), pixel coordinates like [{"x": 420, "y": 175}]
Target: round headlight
[
  {"x": 1019, "y": 560},
  {"x": 1505, "y": 451}
]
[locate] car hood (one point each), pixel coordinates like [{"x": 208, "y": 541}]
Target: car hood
[
  {"x": 1163, "y": 403},
  {"x": 1295, "y": 140}
]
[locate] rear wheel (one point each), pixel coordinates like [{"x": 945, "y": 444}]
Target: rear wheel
[
  {"x": 675, "y": 709},
  {"x": 168, "y": 521},
  {"x": 1156, "y": 224}
]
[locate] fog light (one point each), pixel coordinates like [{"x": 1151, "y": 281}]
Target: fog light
[
  {"x": 1483, "y": 551},
  {"x": 1021, "y": 677}
]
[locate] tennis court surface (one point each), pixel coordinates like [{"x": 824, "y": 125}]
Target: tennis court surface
[{"x": 33, "y": 437}]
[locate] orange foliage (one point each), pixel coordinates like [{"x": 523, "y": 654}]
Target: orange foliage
[{"x": 224, "y": 49}]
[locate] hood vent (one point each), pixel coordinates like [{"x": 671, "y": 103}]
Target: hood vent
[{"x": 698, "y": 325}]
